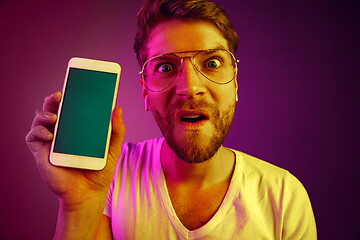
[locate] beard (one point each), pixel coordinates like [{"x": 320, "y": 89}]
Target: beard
[{"x": 195, "y": 146}]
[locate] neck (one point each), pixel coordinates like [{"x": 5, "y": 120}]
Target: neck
[{"x": 213, "y": 171}]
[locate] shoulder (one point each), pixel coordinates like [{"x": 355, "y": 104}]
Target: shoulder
[
  {"x": 138, "y": 165},
  {"x": 135, "y": 156},
  {"x": 279, "y": 192},
  {"x": 143, "y": 149},
  {"x": 149, "y": 144},
  {"x": 253, "y": 167},
  {"x": 267, "y": 176}
]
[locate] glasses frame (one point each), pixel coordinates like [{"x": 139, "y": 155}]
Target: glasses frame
[{"x": 235, "y": 61}]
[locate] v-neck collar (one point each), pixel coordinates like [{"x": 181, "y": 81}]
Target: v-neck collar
[{"x": 232, "y": 192}]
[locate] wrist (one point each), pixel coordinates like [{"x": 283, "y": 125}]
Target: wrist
[
  {"x": 72, "y": 204},
  {"x": 81, "y": 220}
]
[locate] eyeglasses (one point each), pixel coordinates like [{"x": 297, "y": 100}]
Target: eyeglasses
[{"x": 217, "y": 65}]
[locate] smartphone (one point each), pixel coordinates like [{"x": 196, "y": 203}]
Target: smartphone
[{"x": 83, "y": 128}]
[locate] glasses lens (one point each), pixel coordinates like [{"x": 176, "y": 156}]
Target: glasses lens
[
  {"x": 216, "y": 65},
  {"x": 160, "y": 71}
]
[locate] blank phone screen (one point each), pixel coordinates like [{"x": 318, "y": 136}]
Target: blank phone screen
[{"x": 86, "y": 113}]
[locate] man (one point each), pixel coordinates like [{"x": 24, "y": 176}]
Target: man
[{"x": 186, "y": 185}]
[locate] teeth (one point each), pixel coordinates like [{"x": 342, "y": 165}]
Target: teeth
[{"x": 191, "y": 116}]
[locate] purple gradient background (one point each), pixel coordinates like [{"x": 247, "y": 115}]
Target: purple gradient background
[{"x": 298, "y": 99}]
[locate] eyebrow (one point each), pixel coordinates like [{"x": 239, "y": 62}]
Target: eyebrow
[{"x": 217, "y": 46}]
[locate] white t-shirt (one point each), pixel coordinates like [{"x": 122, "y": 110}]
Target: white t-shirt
[{"x": 262, "y": 201}]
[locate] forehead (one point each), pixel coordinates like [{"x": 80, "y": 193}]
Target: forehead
[{"x": 179, "y": 36}]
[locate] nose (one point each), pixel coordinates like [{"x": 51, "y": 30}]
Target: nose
[{"x": 189, "y": 82}]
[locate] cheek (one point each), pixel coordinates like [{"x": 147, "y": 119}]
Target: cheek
[
  {"x": 159, "y": 101},
  {"x": 224, "y": 95}
]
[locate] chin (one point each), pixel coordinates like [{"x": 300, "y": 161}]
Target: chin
[{"x": 194, "y": 147}]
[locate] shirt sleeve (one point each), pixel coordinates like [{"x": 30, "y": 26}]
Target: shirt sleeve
[
  {"x": 107, "y": 210},
  {"x": 298, "y": 217}
]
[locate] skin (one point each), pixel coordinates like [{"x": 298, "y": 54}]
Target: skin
[
  {"x": 196, "y": 190},
  {"x": 81, "y": 193},
  {"x": 191, "y": 184}
]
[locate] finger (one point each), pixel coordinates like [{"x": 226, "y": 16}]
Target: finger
[
  {"x": 51, "y": 102},
  {"x": 44, "y": 119},
  {"x": 117, "y": 135},
  {"x": 39, "y": 133},
  {"x": 37, "y": 136}
]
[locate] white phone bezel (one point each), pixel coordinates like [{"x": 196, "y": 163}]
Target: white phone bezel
[{"x": 77, "y": 161}]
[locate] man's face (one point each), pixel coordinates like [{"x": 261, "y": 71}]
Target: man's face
[{"x": 193, "y": 113}]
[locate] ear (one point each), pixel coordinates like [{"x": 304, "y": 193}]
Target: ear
[
  {"x": 145, "y": 95},
  {"x": 144, "y": 90},
  {"x": 236, "y": 85}
]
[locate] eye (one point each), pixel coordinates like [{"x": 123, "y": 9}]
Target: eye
[
  {"x": 165, "y": 68},
  {"x": 213, "y": 63}
]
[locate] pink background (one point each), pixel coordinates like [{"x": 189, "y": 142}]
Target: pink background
[{"x": 298, "y": 100}]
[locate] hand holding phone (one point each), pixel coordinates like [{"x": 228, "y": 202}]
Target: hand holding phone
[{"x": 73, "y": 186}]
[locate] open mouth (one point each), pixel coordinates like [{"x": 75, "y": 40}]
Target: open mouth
[{"x": 192, "y": 118}]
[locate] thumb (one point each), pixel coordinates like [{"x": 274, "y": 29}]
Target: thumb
[{"x": 117, "y": 136}]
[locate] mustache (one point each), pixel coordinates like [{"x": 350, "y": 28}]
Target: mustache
[{"x": 193, "y": 105}]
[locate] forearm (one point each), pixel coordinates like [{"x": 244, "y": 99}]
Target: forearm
[{"x": 79, "y": 222}]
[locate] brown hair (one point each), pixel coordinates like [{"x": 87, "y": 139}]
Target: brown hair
[{"x": 154, "y": 12}]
